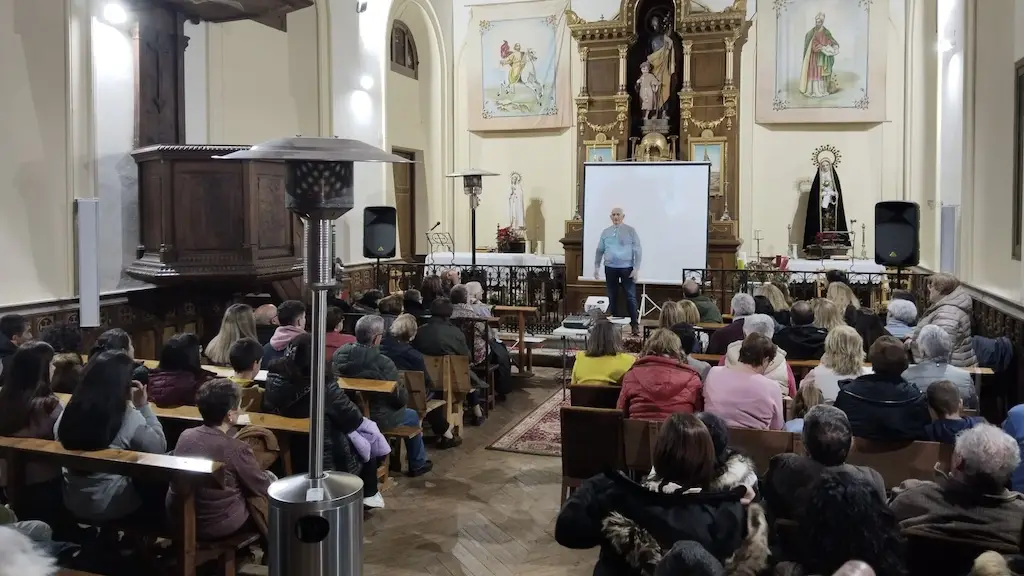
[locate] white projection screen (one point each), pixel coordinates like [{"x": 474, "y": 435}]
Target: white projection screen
[{"x": 667, "y": 204}]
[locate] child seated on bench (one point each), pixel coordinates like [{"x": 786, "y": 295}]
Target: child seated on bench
[
  {"x": 223, "y": 511},
  {"x": 946, "y": 407},
  {"x": 246, "y": 355}
]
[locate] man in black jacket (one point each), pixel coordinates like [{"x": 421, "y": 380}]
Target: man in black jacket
[
  {"x": 802, "y": 340},
  {"x": 439, "y": 337},
  {"x": 14, "y": 331},
  {"x": 883, "y": 406}
]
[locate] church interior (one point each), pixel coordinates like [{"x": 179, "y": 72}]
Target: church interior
[{"x": 460, "y": 287}]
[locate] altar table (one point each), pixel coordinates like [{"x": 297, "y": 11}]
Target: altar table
[{"x": 859, "y": 271}]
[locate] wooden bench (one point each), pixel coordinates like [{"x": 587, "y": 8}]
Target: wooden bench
[
  {"x": 895, "y": 461},
  {"x": 185, "y": 475},
  {"x": 594, "y": 394},
  {"x": 451, "y": 373}
]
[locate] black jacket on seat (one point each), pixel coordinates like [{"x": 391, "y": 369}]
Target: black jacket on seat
[{"x": 884, "y": 408}]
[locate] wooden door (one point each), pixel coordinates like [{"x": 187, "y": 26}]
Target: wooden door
[{"x": 405, "y": 204}]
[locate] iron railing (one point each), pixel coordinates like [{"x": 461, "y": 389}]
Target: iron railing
[{"x": 539, "y": 286}]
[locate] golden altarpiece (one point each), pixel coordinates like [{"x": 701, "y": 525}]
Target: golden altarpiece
[{"x": 660, "y": 82}]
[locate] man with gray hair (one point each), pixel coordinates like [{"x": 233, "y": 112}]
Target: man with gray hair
[
  {"x": 705, "y": 306},
  {"x": 972, "y": 503},
  {"x": 828, "y": 439},
  {"x": 778, "y": 370},
  {"x": 900, "y": 318},
  {"x": 936, "y": 349},
  {"x": 742, "y": 306},
  {"x": 619, "y": 248},
  {"x": 363, "y": 359}
]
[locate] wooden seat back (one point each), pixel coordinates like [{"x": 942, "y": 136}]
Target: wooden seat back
[
  {"x": 458, "y": 367},
  {"x": 437, "y": 369},
  {"x": 896, "y": 461},
  {"x": 594, "y": 395},
  {"x": 638, "y": 444},
  {"x": 761, "y": 445},
  {"x": 416, "y": 385},
  {"x": 591, "y": 444}
]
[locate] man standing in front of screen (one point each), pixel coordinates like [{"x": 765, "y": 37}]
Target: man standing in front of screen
[{"x": 619, "y": 247}]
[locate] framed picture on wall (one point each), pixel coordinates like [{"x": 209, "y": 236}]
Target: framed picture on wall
[
  {"x": 713, "y": 149},
  {"x": 601, "y": 149}
]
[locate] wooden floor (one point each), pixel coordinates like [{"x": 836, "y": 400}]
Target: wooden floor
[{"x": 479, "y": 512}]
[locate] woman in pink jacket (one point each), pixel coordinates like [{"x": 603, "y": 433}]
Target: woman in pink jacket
[{"x": 660, "y": 383}]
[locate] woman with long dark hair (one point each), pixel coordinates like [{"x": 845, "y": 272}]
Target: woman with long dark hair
[
  {"x": 28, "y": 409},
  {"x": 117, "y": 339},
  {"x": 110, "y": 410},
  {"x": 287, "y": 393},
  {"x": 180, "y": 372}
]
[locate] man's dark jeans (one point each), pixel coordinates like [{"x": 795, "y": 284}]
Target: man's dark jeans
[{"x": 613, "y": 277}]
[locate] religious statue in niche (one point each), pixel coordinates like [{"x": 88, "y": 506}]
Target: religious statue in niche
[
  {"x": 661, "y": 60},
  {"x": 825, "y": 231},
  {"x": 654, "y": 65},
  {"x": 516, "y": 203}
]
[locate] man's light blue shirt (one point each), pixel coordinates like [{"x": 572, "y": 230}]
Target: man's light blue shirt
[{"x": 620, "y": 247}]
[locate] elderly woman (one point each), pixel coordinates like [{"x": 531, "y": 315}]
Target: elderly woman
[
  {"x": 603, "y": 361},
  {"x": 476, "y": 299},
  {"x": 778, "y": 370},
  {"x": 742, "y": 306},
  {"x": 660, "y": 383},
  {"x": 900, "y": 318},
  {"x": 483, "y": 342},
  {"x": 972, "y": 503},
  {"x": 743, "y": 396},
  {"x": 397, "y": 346},
  {"x": 623, "y": 517},
  {"x": 826, "y": 314},
  {"x": 936, "y": 350},
  {"x": 843, "y": 360},
  {"x": 950, "y": 310}
]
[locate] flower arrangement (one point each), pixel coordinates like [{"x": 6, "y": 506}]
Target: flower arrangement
[{"x": 508, "y": 236}]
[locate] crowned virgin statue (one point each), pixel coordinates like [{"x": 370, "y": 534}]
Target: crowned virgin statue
[
  {"x": 516, "y": 203},
  {"x": 825, "y": 229}
]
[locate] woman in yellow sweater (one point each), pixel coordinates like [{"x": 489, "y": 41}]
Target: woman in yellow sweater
[{"x": 604, "y": 361}]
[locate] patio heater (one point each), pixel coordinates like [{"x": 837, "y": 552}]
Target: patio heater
[
  {"x": 316, "y": 519},
  {"x": 472, "y": 185}
]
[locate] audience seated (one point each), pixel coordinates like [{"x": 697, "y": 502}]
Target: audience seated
[
  {"x": 287, "y": 394},
  {"x": 732, "y": 468},
  {"x": 834, "y": 275},
  {"x": 368, "y": 301},
  {"x": 390, "y": 307},
  {"x": 950, "y": 309},
  {"x": 363, "y": 359},
  {"x": 808, "y": 397},
  {"x": 660, "y": 383},
  {"x": 779, "y": 303},
  {"x": 14, "y": 331},
  {"x": 246, "y": 355},
  {"x": 291, "y": 318},
  {"x": 946, "y": 407},
  {"x": 180, "y": 372},
  {"x": 778, "y": 370},
  {"x": 972, "y": 503},
  {"x": 1014, "y": 426},
  {"x": 110, "y": 410},
  {"x": 882, "y": 405},
  {"x": 790, "y": 478},
  {"x": 843, "y": 360},
  {"x": 449, "y": 279},
  {"x": 335, "y": 337},
  {"x": 833, "y": 529},
  {"x": 743, "y": 396},
  {"x": 671, "y": 314},
  {"x": 28, "y": 409},
  {"x": 900, "y": 318},
  {"x": 266, "y": 323},
  {"x": 412, "y": 303},
  {"x": 827, "y": 315},
  {"x": 629, "y": 520},
  {"x": 869, "y": 326},
  {"x": 936, "y": 350},
  {"x": 439, "y": 337},
  {"x": 397, "y": 345},
  {"x": 224, "y": 510},
  {"x": 431, "y": 289},
  {"x": 840, "y": 294},
  {"x": 66, "y": 341},
  {"x": 801, "y": 339},
  {"x": 689, "y": 344},
  {"x": 483, "y": 343},
  {"x": 239, "y": 322},
  {"x": 763, "y": 306},
  {"x": 706, "y": 306},
  {"x": 742, "y": 306},
  {"x": 475, "y": 292},
  {"x": 117, "y": 339},
  {"x": 603, "y": 360}
]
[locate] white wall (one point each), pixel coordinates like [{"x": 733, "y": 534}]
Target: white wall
[
  {"x": 197, "y": 122},
  {"x": 35, "y": 192}
]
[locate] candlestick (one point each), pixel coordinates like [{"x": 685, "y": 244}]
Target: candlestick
[
  {"x": 725, "y": 209},
  {"x": 863, "y": 241},
  {"x": 757, "y": 238}
]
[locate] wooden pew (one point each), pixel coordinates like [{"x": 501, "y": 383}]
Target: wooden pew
[
  {"x": 592, "y": 442},
  {"x": 451, "y": 373},
  {"x": 802, "y": 367},
  {"x": 896, "y": 461},
  {"x": 186, "y": 475},
  {"x": 594, "y": 395}
]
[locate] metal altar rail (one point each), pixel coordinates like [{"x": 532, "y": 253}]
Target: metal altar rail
[
  {"x": 540, "y": 286},
  {"x": 871, "y": 288}
]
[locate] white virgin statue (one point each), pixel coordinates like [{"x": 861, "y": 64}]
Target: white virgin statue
[{"x": 516, "y": 203}]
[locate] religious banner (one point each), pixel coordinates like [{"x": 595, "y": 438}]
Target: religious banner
[
  {"x": 515, "y": 76},
  {"x": 821, "y": 61}
]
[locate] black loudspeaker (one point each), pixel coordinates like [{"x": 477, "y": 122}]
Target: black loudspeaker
[
  {"x": 897, "y": 238},
  {"x": 379, "y": 232}
]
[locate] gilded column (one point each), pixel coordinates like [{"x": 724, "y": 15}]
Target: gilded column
[
  {"x": 622, "y": 69},
  {"x": 584, "y": 52},
  {"x": 687, "y": 54}
]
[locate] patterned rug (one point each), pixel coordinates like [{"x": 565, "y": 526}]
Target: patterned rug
[{"x": 539, "y": 433}]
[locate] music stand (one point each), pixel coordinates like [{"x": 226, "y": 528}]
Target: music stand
[{"x": 440, "y": 242}]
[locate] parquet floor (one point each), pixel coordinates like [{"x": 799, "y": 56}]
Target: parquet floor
[{"x": 479, "y": 512}]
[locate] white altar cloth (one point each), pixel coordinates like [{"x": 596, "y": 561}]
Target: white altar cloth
[
  {"x": 492, "y": 259},
  {"x": 859, "y": 271}
]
